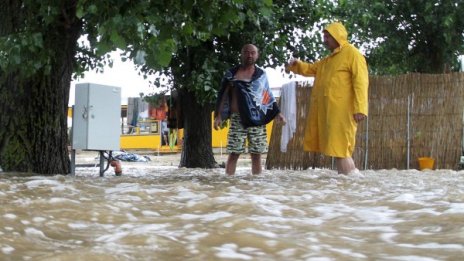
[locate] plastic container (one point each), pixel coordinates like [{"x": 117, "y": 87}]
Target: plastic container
[{"x": 426, "y": 163}]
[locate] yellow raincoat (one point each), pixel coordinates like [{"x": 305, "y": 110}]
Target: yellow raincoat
[{"x": 339, "y": 91}]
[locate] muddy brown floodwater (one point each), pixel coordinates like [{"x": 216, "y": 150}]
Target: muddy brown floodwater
[{"x": 157, "y": 211}]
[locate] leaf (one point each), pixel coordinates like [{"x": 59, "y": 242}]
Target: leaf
[
  {"x": 117, "y": 40},
  {"x": 80, "y": 12},
  {"x": 102, "y": 48},
  {"x": 268, "y": 2},
  {"x": 93, "y": 9},
  {"x": 164, "y": 58},
  {"x": 187, "y": 28},
  {"x": 37, "y": 40}
]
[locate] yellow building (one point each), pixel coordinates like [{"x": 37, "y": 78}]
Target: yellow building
[
  {"x": 147, "y": 135},
  {"x": 152, "y": 141}
]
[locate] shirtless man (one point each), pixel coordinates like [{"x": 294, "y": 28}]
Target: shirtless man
[{"x": 248, "y": 118}]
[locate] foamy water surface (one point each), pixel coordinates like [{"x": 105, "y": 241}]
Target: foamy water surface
[{"x": 167, "y": 213}]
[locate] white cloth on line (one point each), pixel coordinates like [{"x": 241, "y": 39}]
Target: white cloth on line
[{"x": 288, "y": 110}]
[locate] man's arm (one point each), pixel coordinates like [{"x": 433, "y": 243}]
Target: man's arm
[
  {"x": 360, "y": 78},
  {"x": 302, "y": 68},
  {"x": 280, "y": 119},
  {"x": 217, "y": 113}
]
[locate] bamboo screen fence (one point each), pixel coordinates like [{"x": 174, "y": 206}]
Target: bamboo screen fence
[{"x": 410, "y": 116}]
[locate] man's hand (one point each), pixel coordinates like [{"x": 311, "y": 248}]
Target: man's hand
[
  {"x": 217, "y": 122},
  {"x": 358, "y": 117},
  {"x": 280, "y": 119},
  {"x": 290, "y": 62}
]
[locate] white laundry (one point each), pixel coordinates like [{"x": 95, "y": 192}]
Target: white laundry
[{"x": 288, "y": 109}]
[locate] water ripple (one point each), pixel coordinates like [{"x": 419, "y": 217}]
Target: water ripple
[{"x": 169, "y": 213}]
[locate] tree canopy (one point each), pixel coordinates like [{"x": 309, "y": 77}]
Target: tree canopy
[
  {"x": 407, "y": 36},
  {"x": 193, "y": 42},
  {"x": 180, "y": 37}
]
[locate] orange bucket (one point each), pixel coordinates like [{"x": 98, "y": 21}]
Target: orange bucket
[{"x": 426, "y": 163}]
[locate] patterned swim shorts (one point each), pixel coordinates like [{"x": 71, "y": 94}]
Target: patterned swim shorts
[{"x": 236, "y": 139}]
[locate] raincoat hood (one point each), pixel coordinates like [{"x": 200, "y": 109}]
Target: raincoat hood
[{"x": 338, "y": 31}]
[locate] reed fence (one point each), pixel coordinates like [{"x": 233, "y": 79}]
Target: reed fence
[{"x": 410, "y": 116}]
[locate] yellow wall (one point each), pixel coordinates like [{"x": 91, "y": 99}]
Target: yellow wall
[
  {"x": 140, "y": 141},
  {"x": 219, "y": 139},
  {"x": 153, "y": 141},
  {"x": 148, "y": 141}
]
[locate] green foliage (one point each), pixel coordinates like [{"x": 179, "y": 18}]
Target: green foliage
[
  {"x": 25, "y": 51},
  {"x": 23, "y": 48},
  {"x": 192, "y": 42},
  {"x": 403, "y": 36},
  {"x": 278, "y": 28},
  {"x": 407, "y": 36}
]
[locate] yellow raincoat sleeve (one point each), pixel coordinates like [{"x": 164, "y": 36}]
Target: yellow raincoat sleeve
[
  {"x": 360, "y": 81},
  {"x": 303, "y": 68}
]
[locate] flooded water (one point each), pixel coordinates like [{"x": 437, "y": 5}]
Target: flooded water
[{"x": 167, "y": 213}]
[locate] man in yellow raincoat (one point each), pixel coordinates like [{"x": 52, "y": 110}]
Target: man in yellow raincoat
[{"x": 338, "y": 100}]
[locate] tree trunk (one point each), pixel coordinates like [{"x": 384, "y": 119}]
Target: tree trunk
[
  {"x": 196, "y": 151},
  {"x": 33, "y": 121}
]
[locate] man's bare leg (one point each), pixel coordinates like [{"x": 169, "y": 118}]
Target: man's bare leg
[
  {"x": 232, "y": 163},
  {"x": 255, "y": 163},
  {"x": 345, "y": 165}
]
